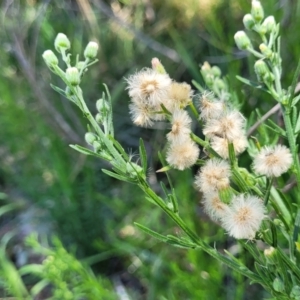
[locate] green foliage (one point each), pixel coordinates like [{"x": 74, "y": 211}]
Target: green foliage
[{"x": 83, "y": 206}]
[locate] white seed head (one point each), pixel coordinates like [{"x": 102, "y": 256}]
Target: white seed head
[
  {"x": 149, "y": 87},
  {"x": 220, "y": 145},
  {"x": 244, "y": 216},
  {"x": 180, "y": 95},
  {"x": 141, "y": 114},
  {"x": 182, "y": 155},
  {"x": 210, "y": 108},
  {"x": 214, "y": 207},
  {"x": 273, "y": 161},
  {"x": 229, "y": 125},
  {"x": 213, "y": 176},
  {"x": 181, "y": 126}
]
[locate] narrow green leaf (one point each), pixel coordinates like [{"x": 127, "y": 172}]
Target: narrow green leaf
[
  {"x": 31, "y": 269},
  {"x": 143, "y": 155},
  {"x": 198, "y": 86},
  {"x": 58, "y": 90},
  {"x": 8, "y": 207},
  {"x": 295, "y": 81},
  {"x": 87, "y": 151},
  {"x": 151, "y": 232},
  {"x": 38, "y": 287},
  {"x": 252, "y": 83},
  {"x": 117, "y": 176},
  {"x": 119, "y": 148}
]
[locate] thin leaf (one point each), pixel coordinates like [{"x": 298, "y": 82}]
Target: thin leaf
[
  {"x": 143, "y": 155},
  {"x": 58, "y": 90},
  {"x": 87, "y": 151},
  {"x": 37, "y": 288},
  {"x": 117, "y": 176},
  {"x": 294, "y": 82},
  {"x": 252, "y": 83},
  {"x": 31, "y": 269},
  {"x": 154, "y": 234},
  {"x": 198, "y": 86}
]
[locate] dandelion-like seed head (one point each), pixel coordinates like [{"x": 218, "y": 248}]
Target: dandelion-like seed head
[
  {"x": 214, "y": 207},
  {"x": 213, "y": 176},
  {"x": 244, "y": 216},
  {"x": 273, "y": 161},
  {"x": 220, "y": 145},
  {"x": 182, "y": 155},
  {"x": 230, "y": 126},
  {"x": 180, "y": 95},
  {"x": 149, "y": 87},
  {"x": 141, "y": 114},
  {"x": 181, "y": 123},
  {"x": 210, "y": 107}
]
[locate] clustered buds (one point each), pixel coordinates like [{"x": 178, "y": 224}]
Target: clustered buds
[{"x": 73, "y": 74}]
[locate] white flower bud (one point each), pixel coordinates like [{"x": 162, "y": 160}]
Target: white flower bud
[
  {"x": 242, "y": 41},
  {"x": 257, "y": 11},
  {"x": 50, "y": 58},
  {"x": 270, "y": 24},
  {"x": 265, "y": 50},
  {"x": 61, "y": 42},
  {"x": 91, "y": 50},
  {"x": 72, "y": 75},
  {"x": 248, "y": 21}
]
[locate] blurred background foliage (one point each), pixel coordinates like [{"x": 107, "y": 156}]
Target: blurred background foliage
[{"x": 49, "y": 189}]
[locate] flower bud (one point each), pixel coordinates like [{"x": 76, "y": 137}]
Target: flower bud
[
  {"x": 265, "y": 50},
  {"x": 80, "y": 65},
  {"x": 102, "y": 105},
  {"x": 271, "y": 256},
  {"x": 242, "y": 41},
  {"x": 50, "y": 58},
  {"x": 97, "y": 146},
  {"x": 205, "y": 67},
  {"x": 90, "y": 138},
  {"x": 99, "y": 118},
  {"x": 257, "y": 11},
  {"x": 132, "y": 169},
  {"x": 91, "y": 50},
  {"x": 72, "y": 75},
  {"x": 61, "y": 42},
  {"x": 261, "y": 69},
  {"x": 270, "y": 24},
  {"x": 295, "y": 292},
  {"x": 278, "y": 285},
  {"x": 220, "y": 84},
  {"x": 216, "y": 71},
  {"x": 157, "y": 66},
  {"x": 248, "y": 21}
]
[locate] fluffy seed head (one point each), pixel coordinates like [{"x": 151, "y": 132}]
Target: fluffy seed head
[
  {"x": 214, "y": 207},
  {"x": 182, "y": 155},
  {"x": 140, "y": 114},
  {"x": 149, "y": 87},
  {"x": 213, "y": 176},
  {"x": 220, "y": 145},
  {"x": 180, "y": 95},
  {"x": 244, "y": 216},
  {"x": 230, "y": 126},
  {"x": 181, "y": 123},
  {"x": 273, "y": 161},
  {"x": 209, "y": 107}
]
